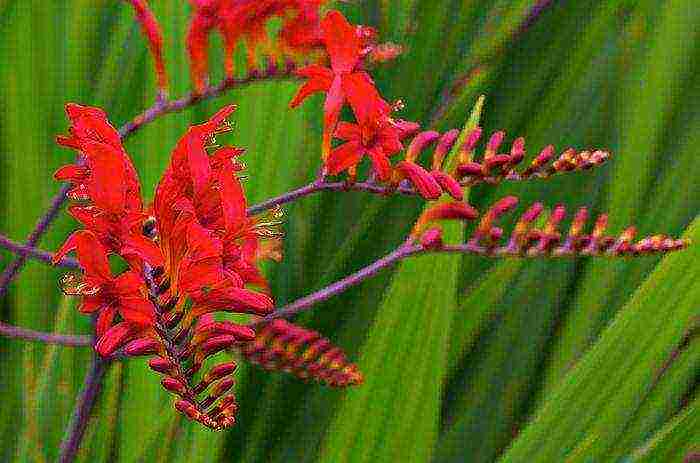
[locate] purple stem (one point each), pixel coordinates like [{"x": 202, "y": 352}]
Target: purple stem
[
  {"x": 40, "y": 336},
  {"x": 29, "y": 251},
  {"x": 535, "y": 14},
  {"x": 405, "y": 250},
  {"x": 83, "y": 407},
  {"x": 164, "y": 107},
  {"x": 317, "y": 186},
  {"x": 42, "y": 225}
]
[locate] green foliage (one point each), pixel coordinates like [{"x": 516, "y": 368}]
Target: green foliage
[{"x": 464, "y": 359}]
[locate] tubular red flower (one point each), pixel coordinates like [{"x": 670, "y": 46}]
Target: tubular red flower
[{"x": 342, "y": 81}]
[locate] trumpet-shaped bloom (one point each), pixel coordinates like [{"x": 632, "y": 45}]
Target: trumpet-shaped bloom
[{"x": 343, "y": 81}]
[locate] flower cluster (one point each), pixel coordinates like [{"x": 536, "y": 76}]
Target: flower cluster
[
  {"x": 535, "y": 234},
  {"x": 246, "y": 20},
  {"x": 192, "y": 254},
  {"x": 304, "y": 353},
  {"x": 375, "y": 134},
  {"x": 192, "y": 257}
]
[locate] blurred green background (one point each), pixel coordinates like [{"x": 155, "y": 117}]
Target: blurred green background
[{"x": 465, "y": 359}]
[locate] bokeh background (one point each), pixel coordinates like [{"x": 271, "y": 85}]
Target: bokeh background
[{"x": 465, "y": 359}]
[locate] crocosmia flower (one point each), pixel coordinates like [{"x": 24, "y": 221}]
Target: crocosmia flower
[{"x": 192, "y": 256}]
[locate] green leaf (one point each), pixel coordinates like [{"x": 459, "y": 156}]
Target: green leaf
[{"x": 591, "y": 408}]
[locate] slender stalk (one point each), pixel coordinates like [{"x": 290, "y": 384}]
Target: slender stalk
[
  {"x": 41, "y": 227},
  {"x": 405, "y": 250},
  {"x": 540, "y": 7},
  {"x": 315, "y": 187},
  {"x": 35, "y": 253},
  {"x": 83, "y": 407},
  {"x": 39, "y": 336},
  {"x": 161, "y": 107}
]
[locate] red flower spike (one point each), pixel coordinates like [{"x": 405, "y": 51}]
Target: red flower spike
[
  {"x": 579, "y": 222},
  {"x": 550, "y": 236},
  {"x": 421, "y": 179},
  {"x": 282, "y": 346},
  {"x": 151, "y": 30},
  {"x": 519, "y": 236},
  {"x": 236, "y": 20},
  {"x": 543, "y": 158},
  {"x": 444, "y": 146}
]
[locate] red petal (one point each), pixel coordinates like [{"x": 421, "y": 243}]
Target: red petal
[
  {"x": 143, "y": 248},
  {"x": 136, "y": 310},
  {"x": 91, "y": 254},
  {"x": 71, "y": 172},
  {"x": 92, "y": 304},
  {"x": 332, "y": 107},
  {"x": 342, "y": 42},
  {"x": 108, "y": 180},
  {"x": 233, "y": 199},
  {"x": 344, "y": 156},
  {"x": 367, "y": 105},
  {"x": 128, "y": 284},
  {"x": 348, "y": 131},
  {"x": 381, "y": 163},
  {"x": 105, "y": 319},
  {"x": 75, "y": 111},
  {"x": 115, "y": 337},
  {"x": 198, "y": 161},
  {"x": 221, "y": 115},
  {"x": 320, "y": 79},
  {"x": 97, "y": 129}
]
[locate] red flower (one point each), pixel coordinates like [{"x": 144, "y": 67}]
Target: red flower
[
  {"x": 104, "y": 294},
  {"x": 378, "y": 139},
  {"x": 211, "y": 245},
  {"x": 105, "y": 177},
  {"x": 345, "y": 45}
]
